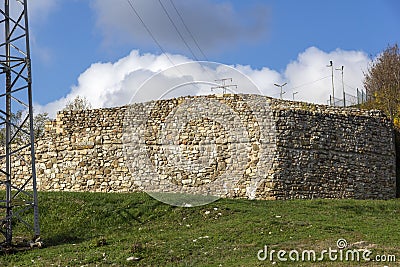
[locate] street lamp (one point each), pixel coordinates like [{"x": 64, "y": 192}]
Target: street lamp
[
  {"x": 344, "y": 95},
  {"x": 294, "y": 93},
  {"x": 333, "y": 86},
  {"x": 281, "y": 86}
]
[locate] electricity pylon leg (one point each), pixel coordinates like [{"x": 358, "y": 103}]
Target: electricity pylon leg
[{"x": 17, "y": 159}]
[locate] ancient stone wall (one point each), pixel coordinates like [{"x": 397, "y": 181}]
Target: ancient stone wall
[
  {"x": 231, "y": 146},
  {"x": 333, "y": 153}
]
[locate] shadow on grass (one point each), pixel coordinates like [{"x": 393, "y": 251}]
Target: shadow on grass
[
  {"x": 140, "y": 213},
  {"x": 62, "y": 239},
  {"x": 125, "y": 217}
]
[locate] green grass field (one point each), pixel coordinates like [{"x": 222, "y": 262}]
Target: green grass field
[{"x": 96, "y": 229}]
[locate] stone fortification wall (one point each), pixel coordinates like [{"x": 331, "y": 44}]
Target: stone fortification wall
[
  {"x": 333, "y": 153},
  {"x": 231, "y": 146}
]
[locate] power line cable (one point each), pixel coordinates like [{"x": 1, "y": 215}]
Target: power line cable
[
  {"x": 177, "y": 30},
  {"x": 155, "y": 40},
  {"x": 149, "y": 31},
  {"x": 192, "y": 36},
  {"x": 188, "y": 30},
  {"x": 158, "y": 43},
  {"x": 346, "y": 84},
  {"x": 308, "y": 83},
  {"x": 183, "y": 39}
]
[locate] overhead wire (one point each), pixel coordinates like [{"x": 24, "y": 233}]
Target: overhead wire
[
  {"x": 177, "y": 30},
  {"x": 155, "y": 40},
  {"x": 346, "y": 84},
  {"x": 207, "y": 72},
  {"x": 308, "y": 83},
  {"x": 188, "y": 30},
  {"x": 351, "y": 87},
  {"x": 149, "y": 32},
  {"x": 130, "y": 2},
  {"x": 304, "y": 84},
  {"x": 181, "y": 36}
]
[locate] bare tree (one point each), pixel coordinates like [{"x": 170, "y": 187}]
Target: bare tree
[
  {"x": 382, "y": 83},
  {"x": 79, "y": 103}
]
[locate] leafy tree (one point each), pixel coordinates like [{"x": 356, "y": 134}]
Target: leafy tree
[
  {"x": 39, "y": 121},
  {"x": 17, "y": 118},
  {"x": 79, "y": 103},
  {"x": 382, "y": 83}
]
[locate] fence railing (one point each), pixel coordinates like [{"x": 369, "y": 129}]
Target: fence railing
[{"x": 348, "y": 99}]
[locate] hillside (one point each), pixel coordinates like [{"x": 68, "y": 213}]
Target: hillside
[{"x": 96, "y": 229}]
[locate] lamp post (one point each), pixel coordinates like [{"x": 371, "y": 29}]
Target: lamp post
[
  {"x": 333, "y": 86},
  {"x": 294, "y": 93},
  {"x": 344, "y": 95},
  {"x": 281, "y": 86}
]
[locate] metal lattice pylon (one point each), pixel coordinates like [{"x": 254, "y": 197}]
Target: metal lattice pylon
[{"x": 17, "y": 170}]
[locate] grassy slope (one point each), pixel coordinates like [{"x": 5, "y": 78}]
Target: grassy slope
[{"x": 105, "y": 229}]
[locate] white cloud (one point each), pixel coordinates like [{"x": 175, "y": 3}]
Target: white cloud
[
  {"x": 40, "y": 9},
  {"x": 310, "y": 76},
  {"x": 264, "y": 78},
  {"x": 114, "y": 83},
  {"x": 214, "y": 24}
]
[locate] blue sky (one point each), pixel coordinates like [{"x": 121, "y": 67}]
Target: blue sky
[{"x": 77, "y": 43}]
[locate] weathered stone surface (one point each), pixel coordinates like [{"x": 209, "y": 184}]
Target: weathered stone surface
[{"x": 274, "y": 149}]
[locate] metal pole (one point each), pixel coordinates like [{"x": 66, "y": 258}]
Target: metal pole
[
  {"x": 8, "y": 123},
  {"x": 344, "y": 99},
  {"x": 344, "y": 94},
  {"x": 333, "y": 85},
  {"x": 223, "y": 85},
  {"x": 281, "y": 86},
  {"x": 36, "y": 227},
  {"x": 19, "y": 142}
]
